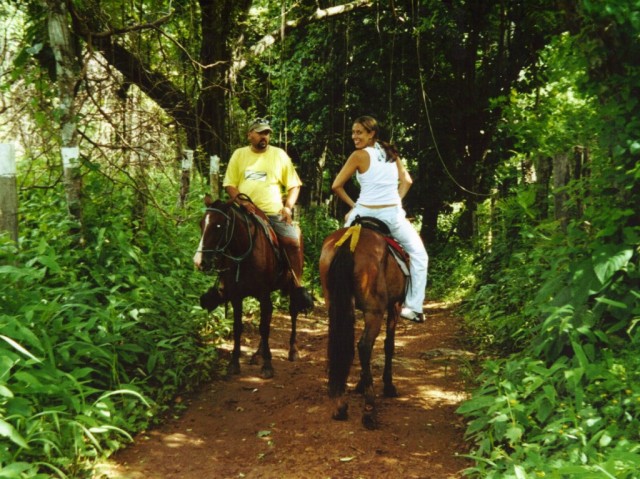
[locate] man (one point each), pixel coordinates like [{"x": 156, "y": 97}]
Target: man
[{"x": 261, "y": 172}]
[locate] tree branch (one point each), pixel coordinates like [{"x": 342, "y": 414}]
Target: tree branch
[{"x": 320, "y": 14}]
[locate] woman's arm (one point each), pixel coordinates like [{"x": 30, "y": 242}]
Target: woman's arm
[
  {"x": 353, "y": 164},
  {"x": 404, "y": 178}
]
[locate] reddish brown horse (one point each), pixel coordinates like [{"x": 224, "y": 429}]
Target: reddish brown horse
[
  {"x": 369, "y": 279},
  {"x": 243, "y": 250}
]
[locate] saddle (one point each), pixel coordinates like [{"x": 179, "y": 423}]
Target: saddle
[
  {"x": 262, "y": 221},
  {"x": 379, "y": 226}
]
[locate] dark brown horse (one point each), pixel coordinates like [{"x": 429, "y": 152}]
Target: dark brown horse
[
  {"x": 371, "y": 280},
  {"x": 244, "y": 251}
]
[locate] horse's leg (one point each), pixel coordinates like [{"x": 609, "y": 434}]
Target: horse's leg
[
  {"x": 293, "y": 345},
  {"x": 266, "y": 310},
  {"x": 341, "y": 408},
  {"x": 234, "y": 364},
  {"x": 258, "y": 354},
  {"x": 372, "y": 325},
  {"x": 337, "y": 389},
  {"x": 389, "y": 349}
]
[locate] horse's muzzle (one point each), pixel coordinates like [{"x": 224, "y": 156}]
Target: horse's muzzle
[
  {"x": 203, "y": 262},
  {"x": 211, "y": 299}
]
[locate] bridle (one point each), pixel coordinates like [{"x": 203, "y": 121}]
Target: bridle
[{"x": 226, "y": 238}]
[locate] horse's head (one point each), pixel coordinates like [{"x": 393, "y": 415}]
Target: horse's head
[{"x": 213, "y": 227}]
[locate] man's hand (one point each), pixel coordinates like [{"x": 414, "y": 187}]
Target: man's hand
[
  {"x": 247, "y": 205},
  {"x": 287, "y": 214}
]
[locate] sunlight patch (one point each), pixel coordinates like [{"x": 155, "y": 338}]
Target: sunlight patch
[
  {"x": 179, "y": 440},
  {"x": 440, "y": 395}
]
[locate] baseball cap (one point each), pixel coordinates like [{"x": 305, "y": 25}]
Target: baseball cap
[{"x": 259, "y": 125}]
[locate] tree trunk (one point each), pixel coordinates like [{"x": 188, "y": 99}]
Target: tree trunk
[
  {"x": 560, "y": 180},
  {"x": 543, "y": 176},
  {"x": 140, "y": 172},
  {"x": 315, "y": 195},
  {"x": 185, "y": 179},
  {"x": 580, "y": 170},
  {"x": 68, "y": 75},
  {"x": 8, "y": 191},
  {"x": 214, "y": 176},
  {"x": 219, "y": 21}
]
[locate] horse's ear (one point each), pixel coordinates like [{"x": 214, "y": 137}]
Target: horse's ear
[{"x": 208, "y": 201}]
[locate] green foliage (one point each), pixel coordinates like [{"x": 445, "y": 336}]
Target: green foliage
[
  {"x": 564, "y": 301},
  {"x": 97, "y": 339},
  {"x": 453, "y": 269},
  {"x": 316, "y": 225}
]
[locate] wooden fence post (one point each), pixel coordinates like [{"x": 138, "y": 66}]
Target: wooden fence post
[
  {"x": 8, "y": 191},
  {"x": 214, "y": 175},
  {"x": 185, "y": 181},
  {"x": 72, "y": 180}
]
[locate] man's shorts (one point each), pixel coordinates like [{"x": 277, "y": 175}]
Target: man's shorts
[{"x": 282, "y": 228}]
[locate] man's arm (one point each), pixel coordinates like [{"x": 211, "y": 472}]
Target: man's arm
[
  {"x": 233, "y": 193},
  {"x": 289, "y": 203}
]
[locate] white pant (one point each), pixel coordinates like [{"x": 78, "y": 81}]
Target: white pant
[{"x": 402, "y": 230}]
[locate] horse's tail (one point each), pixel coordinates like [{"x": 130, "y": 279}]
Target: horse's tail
[{"x": 340, "y": 284}]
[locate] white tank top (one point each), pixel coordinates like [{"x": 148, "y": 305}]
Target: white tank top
[{"x": 379, "y": 184}]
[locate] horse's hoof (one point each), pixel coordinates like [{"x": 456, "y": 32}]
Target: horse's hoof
[
  {"x": 233, "y": 369},
  {"x": 341, "y": 414},
  {"x": 267, "y": 373},
  {"x": 369, "y": 422},
  {"x": 390, "y": 391},
  {"x": 369, "y": 417},
  {"x": 359, "y": 388},
  {"x": 294, "y": 355}
]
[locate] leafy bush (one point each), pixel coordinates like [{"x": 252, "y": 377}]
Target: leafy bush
[
  {"x": 565, "y": 403},
  {"x": 316, "y": 225},
  {"x": 97, "y": 339}
]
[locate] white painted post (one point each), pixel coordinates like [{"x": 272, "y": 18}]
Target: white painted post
[
  {"x": 73, "y": 180},
  {"x": 214, "y": 175},
  {"x": 8, "y": 191},
  {"x": 70, "y": 156},
  {"x": 185, "y": 181}
]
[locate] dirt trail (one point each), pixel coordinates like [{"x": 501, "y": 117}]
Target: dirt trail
[{"x": 247, "y": 427}]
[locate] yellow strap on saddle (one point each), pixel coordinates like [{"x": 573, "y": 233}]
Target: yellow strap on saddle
[{"x": 354, "y": 233}]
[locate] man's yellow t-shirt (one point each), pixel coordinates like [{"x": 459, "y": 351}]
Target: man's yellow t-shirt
[{"x": 264, "y": 177}]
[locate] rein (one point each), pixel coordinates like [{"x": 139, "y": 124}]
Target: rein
[{"x": 222, "y": 247}]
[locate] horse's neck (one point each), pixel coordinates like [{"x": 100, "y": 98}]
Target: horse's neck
[{"x": 243, "y": 234}]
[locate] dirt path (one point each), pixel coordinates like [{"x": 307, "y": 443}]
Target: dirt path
[{"x": 248, "y": 427}]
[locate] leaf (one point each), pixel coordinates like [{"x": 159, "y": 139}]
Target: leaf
[
  {"x": 7, "y": 430},
  {"x": 480, "y": 402},
  {"x": 514, "y": 434},
  {"x": 264, "y": 433},
  {"x": 5, "y": 391},
  {"x": 50, "y": 263},
  {"x": 605, "y": 440},
  {"x": 19, "y": 348},
  {"x": 580, "y": 354},
  {"x": 15, "y": 470},
  {"x": 609, "y": 259},
  {"x": 347, "y": 458},
  {"x": 520, "y": 472},
  {"x": 612, "y": 303}
]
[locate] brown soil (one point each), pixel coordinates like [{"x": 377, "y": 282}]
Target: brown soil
[{"x": 248, "y": 427}]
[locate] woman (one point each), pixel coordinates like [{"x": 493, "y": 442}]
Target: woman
[{"x": 384, "y": 181}]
